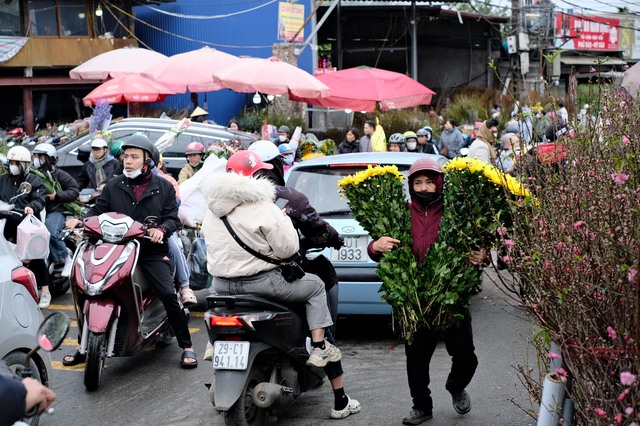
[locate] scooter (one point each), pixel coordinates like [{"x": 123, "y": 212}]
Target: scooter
[{"x": 119, "y": 314}]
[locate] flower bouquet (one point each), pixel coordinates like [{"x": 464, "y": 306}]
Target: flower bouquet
[
  {"x": 51, "y": 186},
  {"x": 435, "y": 293}
]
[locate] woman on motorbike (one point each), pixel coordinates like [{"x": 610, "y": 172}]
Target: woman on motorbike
[{"x": 30, "y": 203}]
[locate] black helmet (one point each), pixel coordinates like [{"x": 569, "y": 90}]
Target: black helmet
[
  {"x": 141, "y": 141},
  {"x": 284, "y": 129}
]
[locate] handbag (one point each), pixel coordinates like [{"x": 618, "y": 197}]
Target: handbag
[
  {"x": 291, "y": 270},
  {"x": 32, "y": 240}
]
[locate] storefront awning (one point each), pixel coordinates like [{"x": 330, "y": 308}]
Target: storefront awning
[
  {"x": 10, "y": 46},
  {"x": 591, "y": 60}
]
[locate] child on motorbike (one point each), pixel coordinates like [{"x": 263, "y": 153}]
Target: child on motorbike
[{"x": 30, "y": 203}]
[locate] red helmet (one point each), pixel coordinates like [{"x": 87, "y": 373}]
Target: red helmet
[
  {"x": 425, "y": 164},
  {"x": 194, "y": 148},
  {"x": 246, "y": 163}
]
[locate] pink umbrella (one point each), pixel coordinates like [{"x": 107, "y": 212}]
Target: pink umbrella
[
  {"x": 359, "y": 89},
  {"x": 116, "y": 63},
  {"x": 128, "y": 88},
  {"x": 271, "y": 76},
  {"x": 191, "y": 71}
]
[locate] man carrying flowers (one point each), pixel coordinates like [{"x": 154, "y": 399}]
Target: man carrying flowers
[{"x": 426, "y": 183}]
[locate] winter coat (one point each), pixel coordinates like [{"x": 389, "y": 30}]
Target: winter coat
[
  {"x": 69, "y": 192},
  {"x": 347, "y": 147},
  {"x": 87, "y": 176},
  {"x": 158, "y": 199},
  {"x": 258, "y": 222},
  {"x": 453, "y": 140},
  {"x": 9, "y": 187},
  {"x": 365, "y": 144},
  {"x": 187, "y": 172},
  {"x": 481, "y": 148},
  {"x": 12, "y": 397}
]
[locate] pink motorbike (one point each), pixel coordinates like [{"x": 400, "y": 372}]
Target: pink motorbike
[{"x": 119, "y": 314}]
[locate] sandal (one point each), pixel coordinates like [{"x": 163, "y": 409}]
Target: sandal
[
  {"x": 188, "y": 355},
  {"x": 76, "y": 358}
]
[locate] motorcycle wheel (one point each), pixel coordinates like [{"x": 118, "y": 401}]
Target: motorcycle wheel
[
  {"x": 244, "y": 411},
  {"x": 96, "y": 352},
  {"x": 58, "y": 285},
  {"x": 15, "y": 362}
]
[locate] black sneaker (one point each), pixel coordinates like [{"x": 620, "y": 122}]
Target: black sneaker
[
  {"x": 461, "y": 402},
  {"x": 416, "y": 417}
]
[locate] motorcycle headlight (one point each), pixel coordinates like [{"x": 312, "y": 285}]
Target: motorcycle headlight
[{"x": 113, "y": 233}]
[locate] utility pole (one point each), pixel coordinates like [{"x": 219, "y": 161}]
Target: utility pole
[{"x": 519, "y": 59}]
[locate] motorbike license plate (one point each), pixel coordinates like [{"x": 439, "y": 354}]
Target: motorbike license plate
[
  {"x": 230, "y": 355},
  {"x": 354, "y": 250}
]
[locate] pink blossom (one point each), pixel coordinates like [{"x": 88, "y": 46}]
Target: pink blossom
[
  {"x": 561, "y": 372},
  {"x": 579, "y": 224},
  {"x": 592, "y": 69},
  {"x": 509, "y": 244},
  {"x": 560, "y": 246},
  {"x": 627, "y": 379},
  {"x": 626, "y": 140},
  {"x": 628, "y": 411},
  {"x": 600, "y": 412},
  {"x": 502, "y": 231},
  {"x": 506, "y": 259},
  {"x": 598, "y": 296},
  {"x": 632, "y": 275},
  {"x": 623, "y": 394},
  {"x": 553, "y": 355},
  {"x": 618, "y": 418},
  {"x": 612, "y": 333},
  {"x": 619, "y": 178}
]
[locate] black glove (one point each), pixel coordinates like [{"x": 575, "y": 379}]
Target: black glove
[{"x": 337, "y": 243}]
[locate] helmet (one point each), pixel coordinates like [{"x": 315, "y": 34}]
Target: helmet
[
  {"x": 116, "y": 148},
  {"x": 422, "y": 132},
  {"x": 284, "y": 129},
  {"x": 285, "y": 148},
  {"x": 424, "y": 164},
  {"x": 397, "y": 138},
  {"x": 410, "y": 134},
  {"x": 19, "y": 153},
  {"x": 46, "y": 149},
  {"x": 140, "y": 141},
  {"x": 266, "y": 150},
  {"x": 194, "y": 148},
  {"x": 246, "y": 163},
  {"x": 98, "y": 142}
]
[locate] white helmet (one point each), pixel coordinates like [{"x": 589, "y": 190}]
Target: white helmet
[
  {"x": 46, "y": 149},
  {"x": 98, "y": 142},
  {"x": 20, "y": 153},
  {"x": 266, "y": 150}
]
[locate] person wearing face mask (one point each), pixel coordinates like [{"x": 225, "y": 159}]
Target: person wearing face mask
[
  {"x": 45, "y": 158},
  {"x": 32, "y": 203},
  {"x": 139, "y": 193},
  {"x": 100, "y": 168},
  {"x": 287, "y": 155},
  {"x": 411, "y": 142},
  {"x": 426, "y": 188},
  {"x": 284, "y": 135},
  {"x": 351, "y": 142}
]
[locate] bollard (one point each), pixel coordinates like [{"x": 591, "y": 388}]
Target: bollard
[{"x": 552, "y": 399}]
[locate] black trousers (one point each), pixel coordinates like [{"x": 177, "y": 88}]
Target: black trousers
[
  {"x": 158, "y": 268},
  {"x": 459, "y": 343}
]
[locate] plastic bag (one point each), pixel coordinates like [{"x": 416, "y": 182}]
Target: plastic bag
[
  {"x": 32, "y": 239},
  {"x": 194, "y": 201},
  {"x": 197, "y": 261}
]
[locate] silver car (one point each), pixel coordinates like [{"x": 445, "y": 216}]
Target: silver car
[{"x": 318, "y": 180}]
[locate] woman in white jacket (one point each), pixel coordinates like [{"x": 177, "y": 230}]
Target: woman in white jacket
[{"x": 248, "y": 205}]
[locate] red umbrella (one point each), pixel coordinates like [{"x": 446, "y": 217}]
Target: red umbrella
[
  {"x": 359, "y": 89},
  {"x": 116, "y": 63},
  {"x": 191, "y": 70},
  {"x": 128, "y": 88},
  {"x": 271, "y": 76}
]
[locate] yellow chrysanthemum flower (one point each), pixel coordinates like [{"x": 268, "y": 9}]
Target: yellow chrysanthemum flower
[{"x": 311, "y": 155}]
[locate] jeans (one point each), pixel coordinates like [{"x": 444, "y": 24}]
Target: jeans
[
  {"x": 55, "y": 223},
  {"x": 271, "y": 285},
  {"x": 459, "y": 343},
  {"x": 177, "y": 255}
]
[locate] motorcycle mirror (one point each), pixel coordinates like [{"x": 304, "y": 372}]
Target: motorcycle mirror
[
  {"x": 60, "y": 127},
  {"x": 24, "y": 188},
  {"x": 52, "y": 331},
  {"x": 11, "y": 144}
]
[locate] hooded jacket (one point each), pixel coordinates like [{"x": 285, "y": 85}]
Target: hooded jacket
[
  {"x": 482, "y": 148},
  {"x": 258, "y": 222}
]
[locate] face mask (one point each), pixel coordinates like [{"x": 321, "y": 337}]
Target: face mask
[
  {"x": 288, "y": 159},
  {"x": 134, "y": 174},
  {"x": 282, "y": 138},
  {"x": 15, "y": 170},
  {"x": 411, "y": 145},
  {"x": 36, "y": 163},
  {"x": 427, "y": 199}
]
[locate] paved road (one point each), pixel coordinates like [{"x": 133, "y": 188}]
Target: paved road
[{"x": 151, "y": 389}]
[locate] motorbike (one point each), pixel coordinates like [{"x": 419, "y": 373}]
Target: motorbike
[
  {"x": 118, "y": 312},
  {"x": 50, "y": 336}
]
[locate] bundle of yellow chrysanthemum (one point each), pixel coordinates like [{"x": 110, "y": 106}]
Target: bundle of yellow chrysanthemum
[{"x": 436, "y": 292}]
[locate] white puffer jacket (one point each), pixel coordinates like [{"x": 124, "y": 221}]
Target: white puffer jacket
[{"x": 248, "y": 204}]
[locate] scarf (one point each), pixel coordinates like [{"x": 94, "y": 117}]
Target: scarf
[
  {"x": 485, "y": 135},
  {"x": 101, "y": 176}
]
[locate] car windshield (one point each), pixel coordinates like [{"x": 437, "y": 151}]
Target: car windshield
[{"x": 320, "y": 185}]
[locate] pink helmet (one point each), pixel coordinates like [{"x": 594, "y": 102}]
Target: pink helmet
[
  {"x": 194, "y": 148},
  {"x": 246, "y": 163},
  {"x": 425, "y": 164}
]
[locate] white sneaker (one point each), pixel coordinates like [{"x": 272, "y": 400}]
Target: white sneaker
[
  {"x": 66, "y": 270},
  {"x": 208, "y": 352},
  {"x": 321, "y": 357},
  {"x": 187, "y": 296},
  {"x": 45, "y": 300},
  {"x": 352, "y": 407}
]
